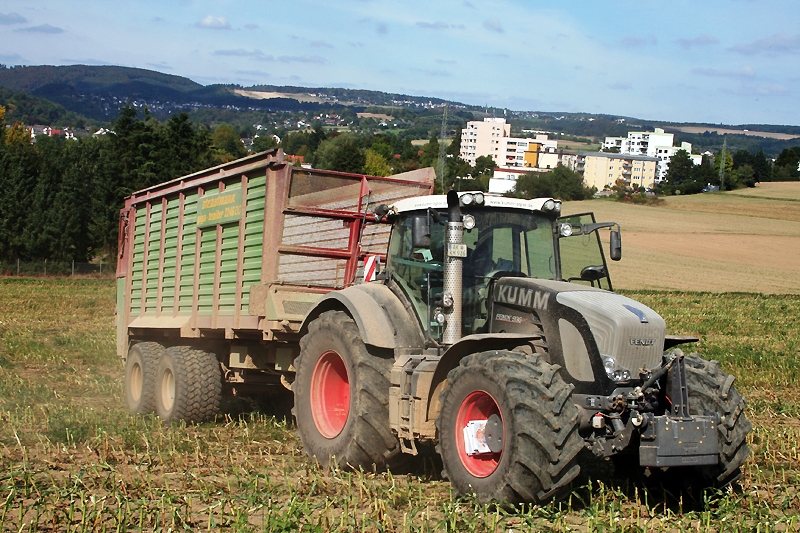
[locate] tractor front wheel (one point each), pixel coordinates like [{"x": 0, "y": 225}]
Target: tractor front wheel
[{"x": 508, "y": 429}]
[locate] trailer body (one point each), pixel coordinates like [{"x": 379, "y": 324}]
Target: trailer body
[{"x": 232, "y": 258}]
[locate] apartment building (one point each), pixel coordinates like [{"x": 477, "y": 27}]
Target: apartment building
[
  {"x": 512, "y": 155},
  {"x": 657, "y": 143},
  {"x": 603, "y": 169},
  {"x": 483, "y": 138}
]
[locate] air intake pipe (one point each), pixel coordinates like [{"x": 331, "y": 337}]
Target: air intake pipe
[{"x": 453, "y": 264}]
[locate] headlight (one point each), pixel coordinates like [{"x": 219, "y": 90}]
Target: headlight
[
  {"x": 469, "y": 222},
  {"x": 549, "y": 205},
  {"x": 613, "y": 371},
  {"x": 467, "y": 199},
  {"x": 565, "y": 230},
  {"x": 479, "y": 198}
]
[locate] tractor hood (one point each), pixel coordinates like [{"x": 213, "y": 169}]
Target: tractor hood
[{"x": 628, "y": 331}]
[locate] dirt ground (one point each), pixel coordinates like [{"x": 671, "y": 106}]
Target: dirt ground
[{"x": 747, "y": 241}]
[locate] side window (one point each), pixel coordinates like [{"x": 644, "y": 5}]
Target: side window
[{"x": 582, "y": 259}]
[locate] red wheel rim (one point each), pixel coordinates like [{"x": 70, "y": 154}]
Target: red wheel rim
[
  {"x": 330, "y": 394},
  {"x": 478, "y": 405}
]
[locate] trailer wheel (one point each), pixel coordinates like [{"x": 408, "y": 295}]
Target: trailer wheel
[
  {"x": 531, "y": 428},
  {"x": 140, "y": 377},
  {"x": 711, "y": 391},
  {"x": 341, "y": 395},
  {"x": 189, "y": 385}
]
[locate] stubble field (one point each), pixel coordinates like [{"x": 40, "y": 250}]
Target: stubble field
[
  {"x": 747, "y": 240},
  {"x": 71, "y": 458}
]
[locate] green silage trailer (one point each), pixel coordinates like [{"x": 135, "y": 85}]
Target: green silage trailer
[{"x": 216, "y": 271}]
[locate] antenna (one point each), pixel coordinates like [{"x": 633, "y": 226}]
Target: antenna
[{"x": 442, "y": 146}]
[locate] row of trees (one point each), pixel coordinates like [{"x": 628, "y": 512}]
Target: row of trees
[
  {"x": 740, "y": 169},
  {"x": 60, "y": 199}
]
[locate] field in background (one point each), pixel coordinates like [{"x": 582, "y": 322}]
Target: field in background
[
  {"x": 747, "y": 240},
  {"x": 72, "y": 459}
]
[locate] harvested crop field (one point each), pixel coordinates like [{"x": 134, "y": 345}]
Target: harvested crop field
[
  {"x": 72, "y": 459},
  {"x": 746, "y": 240}
]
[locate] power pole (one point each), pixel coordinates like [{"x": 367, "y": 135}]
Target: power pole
[
  {"x": 722, "y": 163},
  {"x": 442, "y": 147}
]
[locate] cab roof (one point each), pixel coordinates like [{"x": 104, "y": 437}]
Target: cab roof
[{"x": 439, "y": 201}]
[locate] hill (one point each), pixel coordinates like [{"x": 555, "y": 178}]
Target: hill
[
  {"x": 28, "y": 109},
  {"x": 98, "y": 92}
]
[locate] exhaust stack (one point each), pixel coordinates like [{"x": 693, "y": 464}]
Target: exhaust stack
[{"x": 453, "y": 264}]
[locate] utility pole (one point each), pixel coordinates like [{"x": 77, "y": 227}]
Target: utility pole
[
  {"x": 722, "y": 163},
  {"x": 443, "y": 148}
]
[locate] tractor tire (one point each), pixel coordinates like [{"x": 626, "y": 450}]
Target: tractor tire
[
  {"x": 341, "y": 396},
  {"x": 539, "y": 423},
  {"x": 189, "y": 385},
  {"x": 711, "y": 391},
  {"x": 140, "y": 377}
]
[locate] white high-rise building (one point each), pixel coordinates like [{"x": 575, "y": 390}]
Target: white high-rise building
[
  {"x": 483, "y": 138},
  {"x": 512, "y": 155},
  {"x": 655, "y": 143}
]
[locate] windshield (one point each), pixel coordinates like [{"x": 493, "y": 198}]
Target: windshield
[{"x": 503, "y": 240}]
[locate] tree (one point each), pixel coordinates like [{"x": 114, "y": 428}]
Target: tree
[
  {"x": 375, "y": 164},
  {"x": 341, "y": 153},
  {"x": 560, "y": 182},
  {"x": 227, "y": 143},
  {"x": 263, "y": 143},
  {"x": 786, "y": 165},
  {"x": 680, "y": 168},
  {"x": 484, "y": 166}
]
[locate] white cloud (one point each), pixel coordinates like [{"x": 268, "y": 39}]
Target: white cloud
[
  {"x": 44, "y": 28},
  {"x": 214, "y": 23},
  {"x": 634, "y": 41},
  {"x": 12, "y": 18},
  {"x": 746, "y": 72},
  {"x": 700, "y": 40},
  {"x": 493, "y": 25},
  {"x": 780, "y": 43},
  {"x": 258, "y": 55},
  {"x": 303, "y": 59},
  {"x": 438, "y": 25}
]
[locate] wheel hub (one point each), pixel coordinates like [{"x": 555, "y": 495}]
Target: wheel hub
[
  {"x": 330, "y": 394},
  {"x": 479, "y": 434}
]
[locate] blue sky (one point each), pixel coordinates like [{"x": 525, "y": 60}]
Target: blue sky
[{"x": 721, "y": 61}]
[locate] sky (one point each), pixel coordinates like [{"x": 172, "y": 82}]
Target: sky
[{"x": 718, "y": 61}]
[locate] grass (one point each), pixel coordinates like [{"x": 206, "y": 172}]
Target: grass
[{"x": 72, "y": 459}]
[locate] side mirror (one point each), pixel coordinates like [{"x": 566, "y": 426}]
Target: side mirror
[
  {"x": 616, "y": 246},
  {"x": 420, "y": 232}
]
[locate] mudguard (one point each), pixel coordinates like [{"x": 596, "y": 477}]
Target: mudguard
[{"x": 381, "y": 318}]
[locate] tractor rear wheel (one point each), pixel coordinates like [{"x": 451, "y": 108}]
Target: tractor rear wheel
[
  {"x": 140, "y": 377},
  {"x": 520, "y": 412},
  {"x": 189, "y": 385},
  {"x": 341, "y": 393},
  {"x": 711, "y": 391}
]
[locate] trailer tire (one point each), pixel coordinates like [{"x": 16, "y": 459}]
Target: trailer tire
[
  {"x": 711, "y": 391},
  {"x": 141, "y": 366},
  {"x": 341, "y": 396},
  {"x": 539, "y": 424},
  {"x": 189, "y": 385}
]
